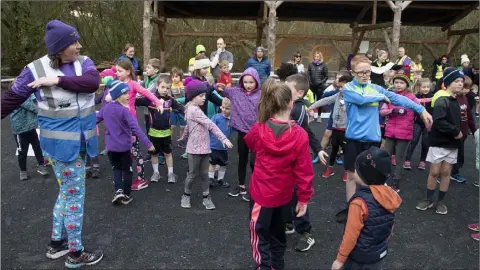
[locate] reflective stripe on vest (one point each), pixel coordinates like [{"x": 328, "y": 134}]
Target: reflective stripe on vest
[
  {"x": 439, "y": 73},
  {"x": 66, "y": 135},
  {"x": 65, "y": 113}
]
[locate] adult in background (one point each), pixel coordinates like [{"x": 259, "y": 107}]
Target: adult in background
[
  {"x": 402, "y": 59},
  {"x": 416, "y": 67},
  {"x": 318, "y": 74},
  {"x": 129, "y": 53},
  {"x": 217, "y": 56},
  {"x": 465, "y": 66},
  {"x": 260, "y": 62},
  {"x": 199, "y": 51},
  {"x": 64, "y": 83},
  {"x": 297, "y": 61},
  {"x": 439, "y": 66},
  {"x": 381, "y": 63}
]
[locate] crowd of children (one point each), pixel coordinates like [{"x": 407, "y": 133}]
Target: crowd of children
[{"x": 374, "y": 125}]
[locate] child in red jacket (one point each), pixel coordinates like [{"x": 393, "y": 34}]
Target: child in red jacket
[
  {"x": 282, "y": 161},
  {"x": 225, "y": 77}
]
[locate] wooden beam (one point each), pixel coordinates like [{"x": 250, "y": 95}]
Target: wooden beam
[
  {"x": 437, "y": 5},
  {"x": 391, "y": 5},
  {"x": 373, "y": 27},
  {"x": 455, "y": 46},
  {"x": 296, "y": 36},
  {"x": 388, "y": 42},
  {"x": 174, "y": 7},
  {"x": 261, "y": 22},
  {"x": 430, "y": 50},
  {"x": 449, "y": 41},
  {"x": 405, "y": 4},
  {"x": 162, "y": 29},
  {"x": 460, "y": 16},
  {"x": 374, "y": 12},
  {"x": 358, "y": 42},
  {"x": 463, "y": 32},
  {"x": 147, "y": 31},
  {"x": 362, "y": 13}
]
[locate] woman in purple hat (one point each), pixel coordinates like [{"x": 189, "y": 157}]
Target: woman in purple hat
[{"x": 64, "y": 83}]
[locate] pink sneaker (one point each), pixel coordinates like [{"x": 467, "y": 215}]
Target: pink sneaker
[
  {"x": 139, "y": 184},
  {"x": 407, "y": 165},
  {"x": 421, "y": 166},
  {"x": 394, "y": 160},
  {"x": 476, "y": 236},
  {"x": 344, "y": 178},
  {"x": 474, "y": 227}
]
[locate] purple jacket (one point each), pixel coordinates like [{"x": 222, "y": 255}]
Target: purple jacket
[
  {"x": 244, "y": 104},
  {"x": 119, "y": 125},
  {"x": 19, "y": 92}
]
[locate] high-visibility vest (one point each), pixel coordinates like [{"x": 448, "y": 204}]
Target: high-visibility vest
[
  {"x": 66, "y": 118},
  {"x": 439, "y": 73},
  {"x": 417, "y": 67}
]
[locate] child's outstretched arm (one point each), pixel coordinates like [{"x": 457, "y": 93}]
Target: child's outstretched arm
[
  {"x": 324, "y": 101},
  {"x": 385, "y": 110},
  {"x": 303, "y": 174},
  {"x": 179, "y": 108},
  {"x": 135, "y": 128},
  {"x": 200, "y": 118},
  {"x": 351, "y": 96},
  {"x": 145, "y": 93},
  {"x": 357, "y": 213}
]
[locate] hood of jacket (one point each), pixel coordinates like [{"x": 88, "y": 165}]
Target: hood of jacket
[
  {"x": 277, "y": 137},
  {"x": 252, "y": 72},
  {"x": 386, "y": 197}
]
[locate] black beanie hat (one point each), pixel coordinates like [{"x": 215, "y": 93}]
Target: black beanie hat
[{"x": 374, "y": 166}]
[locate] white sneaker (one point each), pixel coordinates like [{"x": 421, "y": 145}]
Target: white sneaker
[
  {"x": 155, "y": 177},
  {"x": 172, "y": 178},
  {"x": 185, "y": 203},
  {"x": 207, "y": 202}
]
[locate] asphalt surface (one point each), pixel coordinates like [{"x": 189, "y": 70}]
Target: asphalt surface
[{"x": 154, "y": 232}]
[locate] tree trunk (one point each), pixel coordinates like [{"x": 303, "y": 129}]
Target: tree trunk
[
  {"x": 147, "y": 32},
  {"x": 397, "y": 23},
  {"x": 272, "y": 25}
]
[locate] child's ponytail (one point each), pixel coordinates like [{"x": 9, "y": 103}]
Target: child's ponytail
[{"x": 275, "y": 98}]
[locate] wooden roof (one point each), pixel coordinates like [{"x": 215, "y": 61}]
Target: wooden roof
[{"x": 422, "y": 13}]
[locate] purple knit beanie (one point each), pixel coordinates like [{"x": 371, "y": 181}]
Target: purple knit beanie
[
  {"x": 195, "y": 88},
  {"x": 59, "y": 36}
]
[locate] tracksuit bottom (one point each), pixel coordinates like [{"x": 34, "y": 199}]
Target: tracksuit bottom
[
  {"x": 122, "y": 170},
  {"x": 267, "y": 235},
  {"x": 243, "y": 157},
  {"x": 23, "y": 141},
  {"x": 68, "y": 209}
]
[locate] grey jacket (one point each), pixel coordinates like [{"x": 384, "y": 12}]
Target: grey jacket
[{"x": 339, "y": 113}]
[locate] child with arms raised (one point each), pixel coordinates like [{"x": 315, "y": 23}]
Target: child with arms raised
[
  {"x": 198, "y": 148},
  {"x": 119, "y": 125},
  {"x": 245, "y": 99},
  {"x": 399, "y": 126},
  {"x": 160, "y": 133},
  {"x": 283, "y": 162},
  {"x": 370, "y": 214}
]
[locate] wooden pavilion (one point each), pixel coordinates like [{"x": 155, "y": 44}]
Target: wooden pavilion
[{"x": 362, "y": 16}]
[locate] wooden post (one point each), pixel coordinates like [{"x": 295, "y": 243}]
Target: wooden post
[
  {"x": 397, "y": 23},
  {"x": 272, "y": 25},
  {"x": 354, "y": 36},
  {"x": 358, "y": 42},
  {"x": 455, "y": 46},
  {"x": 162, "y": 27},
  {"x": 262, "y": 16},
  {"x": 450, "y": 40},
  {"x": 430, "y": 50},
  {"x": 388, "y": 42},
  {"x": 374, "y": 12},
  {"x": 147, "y": 32}
]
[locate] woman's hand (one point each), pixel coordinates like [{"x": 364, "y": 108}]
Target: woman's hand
[
  {"x": 323, "y": 157},
  {"x": 44, "y": 81}
]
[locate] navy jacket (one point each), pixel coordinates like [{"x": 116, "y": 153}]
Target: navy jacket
[{"x": 263, "y": 67}]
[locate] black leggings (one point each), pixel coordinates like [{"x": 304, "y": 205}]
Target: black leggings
[
  {"x": 418, "y": 130},
  {"x": 23, "y": 141},
  {"x": 317, "y": 91},
  {"x": 338, "y": 140},
  {"x": 243, "y": 158}
]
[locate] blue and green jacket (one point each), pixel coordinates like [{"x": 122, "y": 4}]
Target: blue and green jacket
[
  {"x": 24, "y": 118},
  {"x": 362, "y": 102}
]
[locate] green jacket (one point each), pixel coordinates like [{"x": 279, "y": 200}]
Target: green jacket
[{"x": 24, "y": 118}]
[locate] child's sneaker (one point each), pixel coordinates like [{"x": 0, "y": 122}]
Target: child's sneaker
[
  {"x": 126, "y": 199},
  {"x": 421, "y": 166},
  {"x": 474, "y": 227},
  {"x": 86, "y": 258},
  {"x": 172, "y": 178},
  {"x": 315, "y": 159},
  {"x": 345, "y": 175},
  {"x": 185, "y": 203},
  {"x": 139, "y": 184},
  {"x": 475, "y": 183},
  {"x": 458, "y": 178},
  {"x": 207, "y": 202},
  {"x": 23, "y": 176},
  {"x": 118, "y": 196},
  {"x": 246, "y": 197},
  {"x": 476, "y": 236},
  {"x": 237, "y": 191},
  {"x": 289, "y": 229},
  {"x": 223, "y": 184},
  {"x": 55, "y": 252},
  {"x": 155, "y": 177},
  {"x": 96, "y": 173},
  {"x": 441, "y": 208},
  {"x": 328, "y": 172},
  {"x": 305, "y": 242},
  {"x": 42, "y": 170},
  {"x": 185, "y": 155},
  {"x": 424, "y": 205},
  {"x": 88, "y": 173},
  {"x": 339, "y": 161},
  {"x": 104, "y": 152},
  {"x": 182, "y": 144},
  {"x": 161, "y": 160},
  {"x": 407, "y": 165},
  {"x": 394, "y": 160},
  {"x": 212, "y": 182}
]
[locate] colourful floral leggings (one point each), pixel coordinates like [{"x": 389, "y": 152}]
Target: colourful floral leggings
[
  {"x": 138, "y": 159},
  {"x": 68, "y": 209}
]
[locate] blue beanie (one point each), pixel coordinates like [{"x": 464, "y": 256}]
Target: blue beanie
[
  {"x": 117, "y": 88},
  {"x": 59, "y": 36},
  {"x": 195, "y": 88},
  {"x": 451, "y": 74}
]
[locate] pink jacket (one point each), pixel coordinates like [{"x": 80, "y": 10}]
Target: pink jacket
[
  {"x": 135, "y": 88},
  {"x": 399, "y": 125},
  {"x": 197, "y": 131}
]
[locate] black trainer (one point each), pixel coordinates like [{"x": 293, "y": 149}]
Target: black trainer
[
  {"x": 118, "y": 196},
  {"x": 289, "y": 229},
  {"x": 55, "y": 252},
  {"x": 127, "y": 199},
  {"x": 305, "y": 242},
  {"x": 212, "y": 182},
  {"x": 96, "y": 172},
  {"x": 237, "y": 191},
  {"x": 246, "y": 197},
  {"x": 86, "y": 258},
  {"x": 223, "y": 184}
]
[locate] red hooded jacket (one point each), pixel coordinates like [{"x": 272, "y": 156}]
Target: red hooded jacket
[{"x": 282, "y": 161}]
